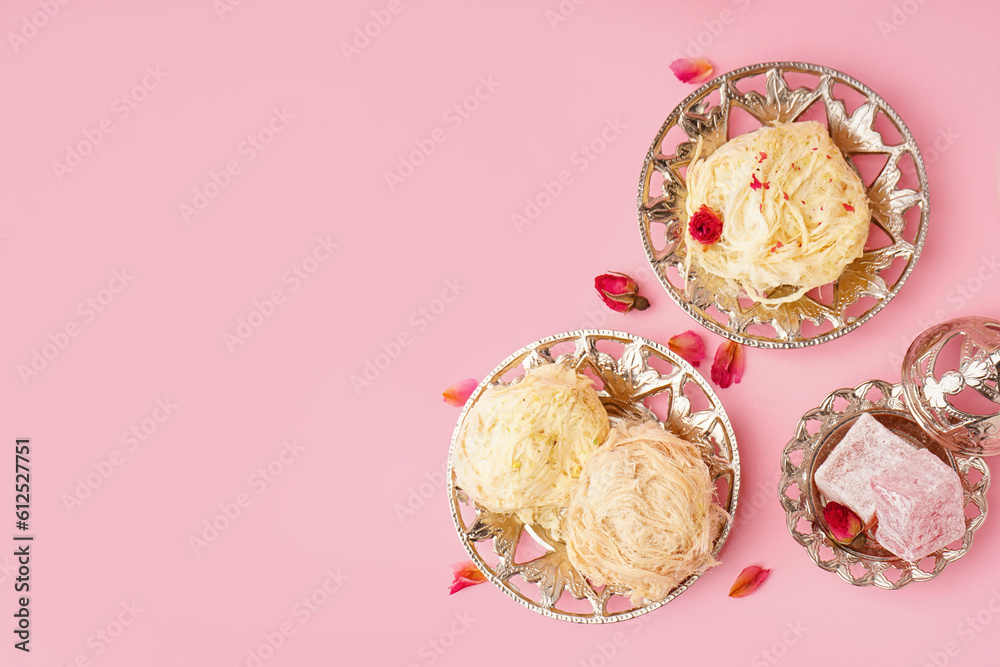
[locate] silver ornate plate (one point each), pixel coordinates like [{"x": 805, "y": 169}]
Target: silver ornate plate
[
  {"x": 818, "y": 432},
  {"x": 871, "y": 133},
  {"x": 634, "y": 377}
]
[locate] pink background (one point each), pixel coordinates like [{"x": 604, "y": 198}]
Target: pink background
[{"x": 430, "y": 272}]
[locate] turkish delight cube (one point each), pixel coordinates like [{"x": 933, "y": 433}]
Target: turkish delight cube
[
  {"x": 920, "y": 506},
  {"x": 867, "y": 449}
]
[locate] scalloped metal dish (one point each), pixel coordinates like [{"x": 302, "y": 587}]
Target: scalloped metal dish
[
  {"x": 704, "y": 297},
  {"x": 870, "y": 565},
  {"x": 628, "y": 380}
]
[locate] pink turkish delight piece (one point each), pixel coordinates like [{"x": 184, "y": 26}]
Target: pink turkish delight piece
[
  {"x": 867, "y": 449},
  {"x": 920, "y": 506}
]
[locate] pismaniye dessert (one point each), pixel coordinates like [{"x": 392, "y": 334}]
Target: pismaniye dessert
[
  {"x": 523, "y": 446},
  {"x": 775, "y": 213},
  {"x": 910, "y": 501},
  {"x": 643, "y": 515}
]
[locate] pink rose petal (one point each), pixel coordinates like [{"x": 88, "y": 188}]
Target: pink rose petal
[
  {"x": 465, "y": 574},
  {"x": 458, "y": 393},
  {"x": 691, "y": 70},
  {"x": 689, "y": 346},
  {"x": 727, "y": 368},
  {"x": 748, "y": 581}
]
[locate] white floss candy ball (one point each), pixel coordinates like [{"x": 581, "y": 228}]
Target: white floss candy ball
[
  {"x": 523, "y": 446},
  {"x": 643, "y": 515}
]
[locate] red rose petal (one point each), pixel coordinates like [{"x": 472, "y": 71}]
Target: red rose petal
[
  {"x": 689, "y": 346},
  {"x": 748, "y": 581},
  {"x": 465, "y": 574},
  {"x": 848, "y": 207},
  {"x": 727, "y": 368},
  {"x": 458, "y": 393},
  {"x": 691, "y": 70}
]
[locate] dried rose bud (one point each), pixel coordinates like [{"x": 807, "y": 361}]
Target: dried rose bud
[
  {"x": 691, "y": 70},
  {"x": 727, "y": 368},
  {"x": 619, "y": 292},
  {"x": 458, "y": 393},
  {"x": 705, "y": 226},
  {"x": 748, "y": 581},
  {"x": 465, "y": 574},
  {"x": 689, "y": 346},
  {"x": 844, "y": 524}
]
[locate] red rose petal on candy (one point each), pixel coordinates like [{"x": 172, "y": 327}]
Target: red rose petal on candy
[
  {"x": 458, "y": 393},
  {"x": 705, "y": 226},
  {"x": 761, "y": 157},
  {"x": 748, "y": 581},
  {"x": 727, "y": 368},
  {"x": 689, "y": 346},
  {"x": 786, "y": 195},
  {"x": 844, "y": 524},
  {"x": 691, "y": 70},
  {"x": 848, "y": 207},
  {"x": 465, "y": 574}
]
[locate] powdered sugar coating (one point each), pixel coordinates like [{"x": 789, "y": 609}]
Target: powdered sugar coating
[
  {"x": 920, "y": 506},
  {"x": 867, "y": 450}
]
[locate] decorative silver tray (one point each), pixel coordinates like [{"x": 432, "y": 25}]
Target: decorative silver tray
[
  {"x": 817, "y": 433},
  {"x": 830, "y": 311},
  {"x": 634, "y": 378}
]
